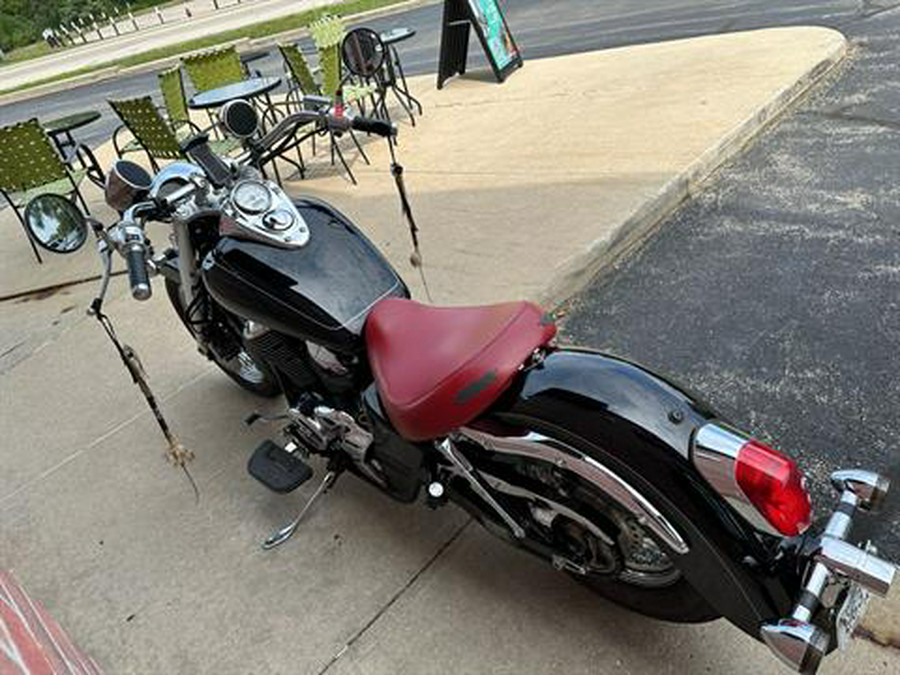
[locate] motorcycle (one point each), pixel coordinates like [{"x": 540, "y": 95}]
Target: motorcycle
[{"x": 607, "y": 471}]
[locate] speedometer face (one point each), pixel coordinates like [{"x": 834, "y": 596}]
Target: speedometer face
[{"x": 252, "y": 197}]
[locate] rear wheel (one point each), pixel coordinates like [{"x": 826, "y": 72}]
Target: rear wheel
[
  {"x": 599, "y": 543},
  {"x": 241, "y": 367}
]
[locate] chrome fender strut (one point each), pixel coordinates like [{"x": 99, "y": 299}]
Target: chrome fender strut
[{"x": 544, "y": 448}]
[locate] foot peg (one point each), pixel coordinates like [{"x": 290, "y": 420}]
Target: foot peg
[{"x": 277, "y": 468}]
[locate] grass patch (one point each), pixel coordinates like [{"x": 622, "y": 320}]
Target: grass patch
[
  {"x": 40, "y": 48},
  {"x": 33, "y": 51},
  {"x": 253, "y": 31}
]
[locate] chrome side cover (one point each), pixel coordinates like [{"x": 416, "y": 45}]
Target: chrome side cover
[
  {"x": 714, "y": 455},
  {"x": 540, "y": 447}
]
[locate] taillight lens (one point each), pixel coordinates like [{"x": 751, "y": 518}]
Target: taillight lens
[{"x": 774, "y": 485}]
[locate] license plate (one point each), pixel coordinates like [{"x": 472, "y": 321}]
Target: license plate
[{"x": 851, "y": 614}]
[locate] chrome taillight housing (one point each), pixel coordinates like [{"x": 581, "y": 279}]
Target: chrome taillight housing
[{"x": 766, "y": 487}]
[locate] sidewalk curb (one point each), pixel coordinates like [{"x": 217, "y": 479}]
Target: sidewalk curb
[
  {"x": 243, "y": 44},
  {"x": 604, "y": 254}
]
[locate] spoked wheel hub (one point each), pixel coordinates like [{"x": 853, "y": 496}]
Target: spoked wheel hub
[
  {"x": 582, "y": 547},
  {"x": 600, "y": 538}
]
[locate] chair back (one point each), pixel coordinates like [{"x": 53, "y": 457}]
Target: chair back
[
  {"x": 143, "y": 120},
  {"x": 328, "y": 34},
  {"x": 28, "y": 158},
  {"x": 327, "y": 31},
  {"x": 299, "y": 68},
  {"x": 172, "y": 87},
  {"x": 213, "y": 69},
  {"x": 363, "y": 53}
]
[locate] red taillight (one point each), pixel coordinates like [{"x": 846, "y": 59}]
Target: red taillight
[{"x": 774, "y": 485}]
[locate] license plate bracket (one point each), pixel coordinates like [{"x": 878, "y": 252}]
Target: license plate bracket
[{"x": 850, "y": 614}]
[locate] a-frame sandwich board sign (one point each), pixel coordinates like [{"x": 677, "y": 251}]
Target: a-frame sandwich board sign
[{"x": 460, "y": 16}]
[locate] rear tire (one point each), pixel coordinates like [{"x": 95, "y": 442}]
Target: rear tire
[
  {"x": 678, "y": 603},
  {"x": 243, "y": 369}
]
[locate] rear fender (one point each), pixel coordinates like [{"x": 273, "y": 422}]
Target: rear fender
[{"x": 640, "y": 426}]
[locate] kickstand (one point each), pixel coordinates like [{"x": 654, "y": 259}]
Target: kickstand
[{"x": 286, "y": 532}]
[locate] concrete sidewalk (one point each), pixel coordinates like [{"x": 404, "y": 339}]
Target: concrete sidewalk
[{"x": 521, "y": 190}]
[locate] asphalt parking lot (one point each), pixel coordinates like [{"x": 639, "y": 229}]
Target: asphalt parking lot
[{"x": 775, "y": 293}]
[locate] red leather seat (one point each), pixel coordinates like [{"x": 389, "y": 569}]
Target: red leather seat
[{"x": 437, "y": 368}]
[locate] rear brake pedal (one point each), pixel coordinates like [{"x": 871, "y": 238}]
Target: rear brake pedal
[{"x": 278, "y": 469}]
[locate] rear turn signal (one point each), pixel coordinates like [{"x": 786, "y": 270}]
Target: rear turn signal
[
  {"x": 774, "y": 485},
  {"x": 766, "y": 487}
]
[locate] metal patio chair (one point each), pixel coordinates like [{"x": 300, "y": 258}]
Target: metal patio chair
[
  {"x": 31, "y": 166},
  {"x": 328, "y": 35},
  {"x": 215, "y": 68},
  {"x": 153, "y": 135},
  {"x": 174, "y": 100},
  {"x": 302, "y": 90},
  {"x": 367, "y": 58}
]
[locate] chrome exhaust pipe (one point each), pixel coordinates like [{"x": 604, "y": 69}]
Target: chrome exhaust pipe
[{"x": 798, "y": 644}]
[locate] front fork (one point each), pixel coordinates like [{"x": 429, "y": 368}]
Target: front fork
[{"x": 796, "y": 640}]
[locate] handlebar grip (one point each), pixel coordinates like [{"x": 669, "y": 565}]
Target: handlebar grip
[
  {"x": 372, "y": 126},
  {"x": 135, "y": 259}
]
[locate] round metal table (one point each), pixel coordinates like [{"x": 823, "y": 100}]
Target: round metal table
[
  {"x": 395, "y": 35},
  {"x": 60, "y": 129},
  {"x": 246, "y": 89},
  {"x": 396, "y": 76}
]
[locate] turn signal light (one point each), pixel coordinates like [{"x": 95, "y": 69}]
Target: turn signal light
[{"x": 774, "y": 485}]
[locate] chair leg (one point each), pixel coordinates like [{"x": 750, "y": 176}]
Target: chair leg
[
  {"x": 404, "y": 105},
  {"x": 360, "y": 148},
  {"x": 28, "y": 235},
  {"x": 302, "y": 163},
  {"x": 275, "y": 169},
  {"x": 336, "y": 148},
  {"x": 83, "y": 203},
  {"x": 24, "y": 226}
]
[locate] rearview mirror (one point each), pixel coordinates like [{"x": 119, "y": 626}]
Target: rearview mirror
[{"x": 56, "y": 224}]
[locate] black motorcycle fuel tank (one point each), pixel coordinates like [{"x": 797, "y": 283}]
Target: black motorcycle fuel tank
[{"x": 321, "y": 292}]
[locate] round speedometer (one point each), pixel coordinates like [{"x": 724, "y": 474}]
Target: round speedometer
[{"x": 251, "y": 197}]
